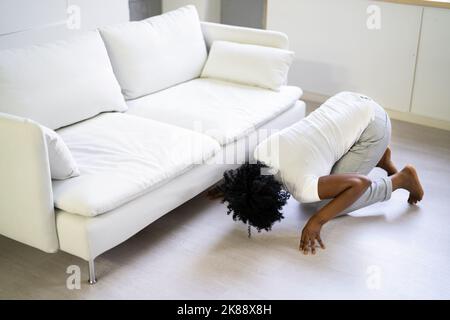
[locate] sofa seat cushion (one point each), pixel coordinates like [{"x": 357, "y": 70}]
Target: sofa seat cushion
[
  {"x": 121, "y": 157},
  {"x": 223, "y": 110}
]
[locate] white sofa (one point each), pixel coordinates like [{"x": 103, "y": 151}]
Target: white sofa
[{"x": 173, "y": 139}]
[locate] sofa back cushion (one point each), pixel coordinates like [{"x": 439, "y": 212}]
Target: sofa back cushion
[
  {"x": 61, "y": 83},
  {"x": 156, "y": 53},
  {"x": 248, "y": 64}
]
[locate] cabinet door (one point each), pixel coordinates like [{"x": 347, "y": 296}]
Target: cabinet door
[
  {"x": 431, "y": 96},
  {"x": 335, "y": 50}
]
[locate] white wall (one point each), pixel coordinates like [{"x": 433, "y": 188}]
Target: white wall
[
  {"x": 17, "y": 15},
  {"x": 25, "y": 22},
  {"x": 208, "y": 10}
]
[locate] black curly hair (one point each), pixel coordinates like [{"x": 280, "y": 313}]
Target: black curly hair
[{"x": 254, "y": 198}]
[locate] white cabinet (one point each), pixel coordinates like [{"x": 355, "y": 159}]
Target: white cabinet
[
  {"x": 431, "y": 95},
  {"x": 335, "y": 50},
  {"x": 405, "y": 65}
]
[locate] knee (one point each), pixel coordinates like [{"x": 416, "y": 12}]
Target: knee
[{"x": 361, "y": 182}]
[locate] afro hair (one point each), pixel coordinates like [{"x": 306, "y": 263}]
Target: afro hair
[{"x": 254, "y": 198}]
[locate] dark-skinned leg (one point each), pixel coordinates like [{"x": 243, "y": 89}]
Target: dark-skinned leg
[
  {"x": 387, "y": 164},
  {"x": 349, "y": 192},
  {"x": 344, "y": 189},
  {"x": 408, "y": 179}
]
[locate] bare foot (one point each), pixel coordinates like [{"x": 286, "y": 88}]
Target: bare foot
[
  {"x": 387, "y": 164},
  {"x": 409, "y": 180}
]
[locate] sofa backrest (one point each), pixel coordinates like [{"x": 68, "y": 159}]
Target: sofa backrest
[
  {"x": 60, "y": 83},
  {"x": 156, "y": 53},
  {"x": 221, "y": 32}
]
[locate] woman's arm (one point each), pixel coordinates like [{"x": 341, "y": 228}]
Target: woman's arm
[{"x": 344, "y": 189}]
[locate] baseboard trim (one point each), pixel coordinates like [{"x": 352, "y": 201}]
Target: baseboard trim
[
  {"x": 418, "y": 119},
  {"x": 397, "y": 115}
]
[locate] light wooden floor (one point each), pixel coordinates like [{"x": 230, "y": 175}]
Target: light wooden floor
[{"x": 391, "y": 250}]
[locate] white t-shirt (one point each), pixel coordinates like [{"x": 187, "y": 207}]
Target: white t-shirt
[{"x": 308, "y": 150}]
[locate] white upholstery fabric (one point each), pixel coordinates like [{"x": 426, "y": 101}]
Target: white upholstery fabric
[
  {"x": 26, "y": 203},
  {"x": 62, "y": 164},
  {"x": 60, "y": 83},
  {"x": 121, "y": 157},
  {"x": 216, "y": 31},
  {"x": 156, "y": 53},
  {"x": 88, "y": 237},
  {"x": 223, "y": 110},
  {"x": 248, "y": 64}
]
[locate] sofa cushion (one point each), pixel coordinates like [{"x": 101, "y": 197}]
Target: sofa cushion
[
  {"x": 121, "y": 157},
  {"x": 223, "y": 110},
  {"x": 60, "y": 83},
  {"x": 62, "y": 163},
  {"x": 156, "y": 53},
  {"x": 248, "y": 64}
]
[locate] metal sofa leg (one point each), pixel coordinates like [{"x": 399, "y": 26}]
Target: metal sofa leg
[{"x": 92, "y": 278}]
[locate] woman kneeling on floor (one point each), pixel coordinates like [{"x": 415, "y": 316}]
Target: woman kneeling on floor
[{"x": 324, "y": 158}]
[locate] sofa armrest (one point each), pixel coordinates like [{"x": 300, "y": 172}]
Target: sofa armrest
[
  {"x": 268, "y": 38},
  {"x": 26, "y": 201}
]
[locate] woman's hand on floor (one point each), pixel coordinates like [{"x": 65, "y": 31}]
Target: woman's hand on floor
[
  {"x": 344, "y": 190},
  {"x": 310, "y": 238}
]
